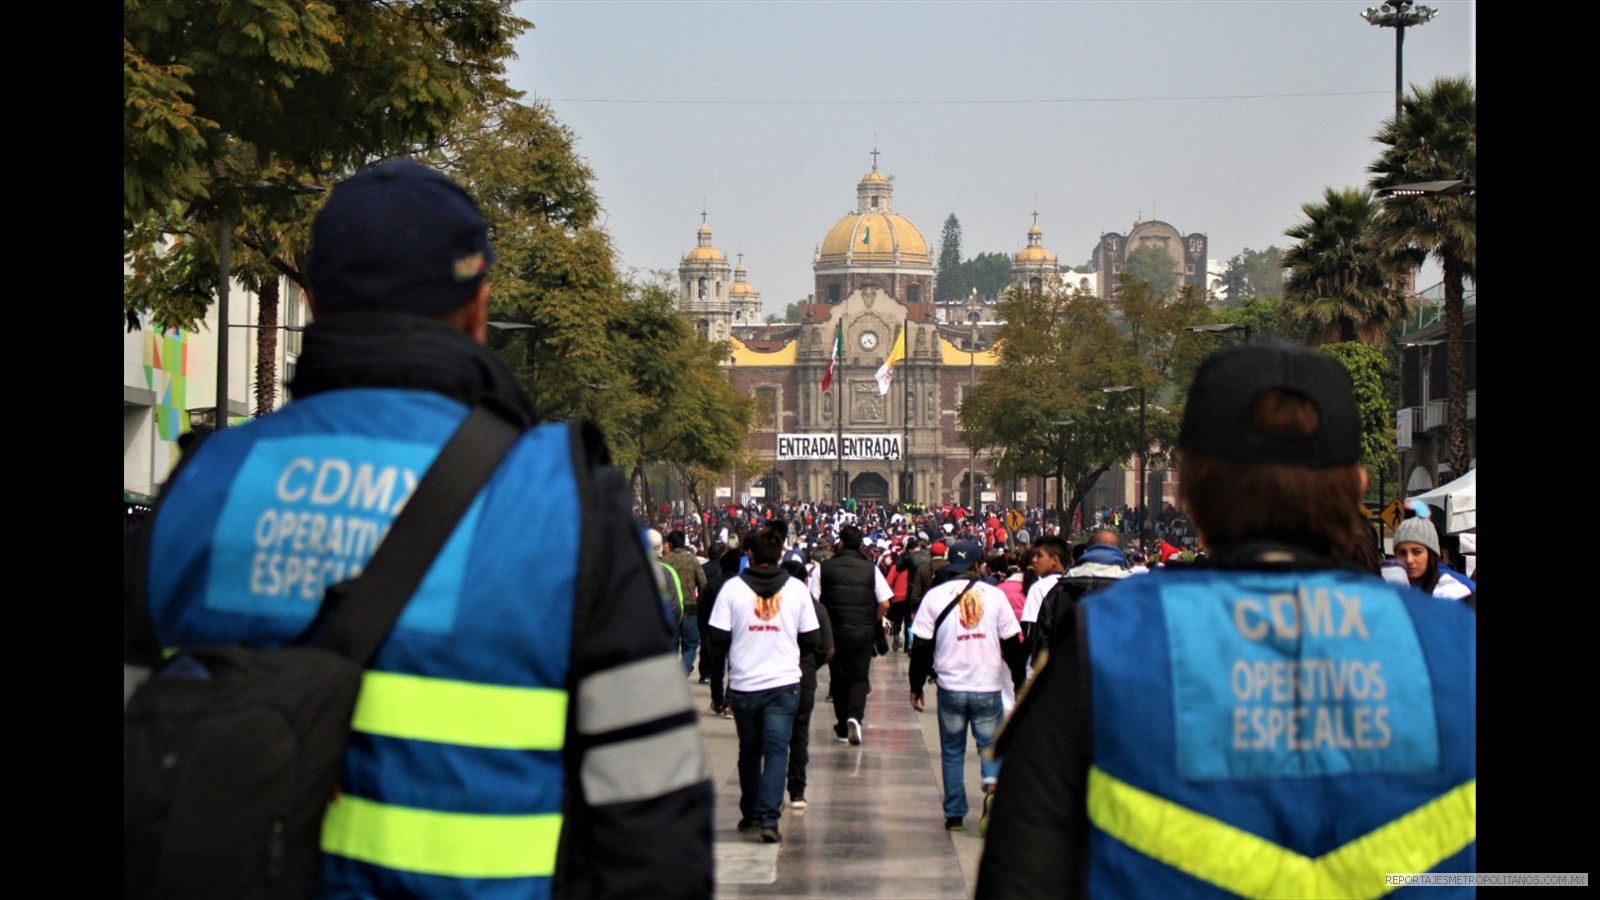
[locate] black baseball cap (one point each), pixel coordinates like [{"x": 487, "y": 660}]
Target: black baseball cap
[
  {"x": 399, "y": 236},
  {"x": 1217, "y": 422}
]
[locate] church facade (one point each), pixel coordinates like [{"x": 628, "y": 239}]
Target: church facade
[{"x": 874, "y": 277}]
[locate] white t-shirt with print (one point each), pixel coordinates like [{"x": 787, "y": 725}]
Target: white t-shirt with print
[
  {"x": 966, "y": 655},
  {"x": 765, "y": 650},
  {"x": 1035, "y": 596}
]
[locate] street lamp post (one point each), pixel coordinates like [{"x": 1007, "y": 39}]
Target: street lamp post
[
  {"x": 972, "y": 380},
  {"x": 1399, "y": 15},
  {"x": 1143, "y": 489},
  {"x": 1061, "y": 472},
  {"x": 1221, "y": 327}
]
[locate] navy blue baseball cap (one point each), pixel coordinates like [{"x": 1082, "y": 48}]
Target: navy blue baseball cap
[
  {"x": 963, "y": 556},
  {"x": 399, "y": 236}
]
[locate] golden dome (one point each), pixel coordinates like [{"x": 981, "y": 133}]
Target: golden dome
[
  {"x": 874, "y": 175},
  {"x": 1035, "y": 255},
  {"x": 873, "y": 238},
  {"x": 703, "y": 229},
  {"x": 1036, "y": 229},
  {"x": 705, "y": 253},
  {"x": 741, "y": 289}
]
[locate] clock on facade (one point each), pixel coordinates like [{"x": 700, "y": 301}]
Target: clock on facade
[{"x": 869, "y": 339}]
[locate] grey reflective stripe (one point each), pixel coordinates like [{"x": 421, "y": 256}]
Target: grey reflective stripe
[
  {"x": 644, "y": 767},
  {"x": 632, "y": 694}
]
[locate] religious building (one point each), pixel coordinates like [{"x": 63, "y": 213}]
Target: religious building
[{"x": 874, "y": 279}]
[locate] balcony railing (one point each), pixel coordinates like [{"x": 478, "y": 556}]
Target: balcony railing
[{"x": 1433, "y": 414}]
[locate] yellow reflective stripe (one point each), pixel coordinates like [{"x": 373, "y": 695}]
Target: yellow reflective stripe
[
  {"x": 461, "y": 712},
  {"x": 1251, "y": 866},
  {"x": 454, "y": 845}
]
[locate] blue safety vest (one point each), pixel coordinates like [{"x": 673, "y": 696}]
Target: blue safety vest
[
  {"x": 453, "y": 782},
  {"x": 1269, "y": 734}
]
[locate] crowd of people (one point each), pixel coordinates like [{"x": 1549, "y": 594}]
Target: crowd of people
[{"x": 1262, "y": 705}]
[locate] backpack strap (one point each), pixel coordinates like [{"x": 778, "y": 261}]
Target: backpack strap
[{"x": 361, "y": 612}]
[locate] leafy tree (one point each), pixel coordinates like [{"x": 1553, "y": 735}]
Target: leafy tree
[
  {"x": 791, "y": 313},
  {"x": 671, "y": 404},
  {"x": 1057, "y": 350},
  {"x": 1342, "y": 283},
  {"x": 1433, "y": 138},
  {"x": 948, "y": 278},
  {"x": 1153, "y": 266},
  {"x": 1253, "y": 273},
  {"x": 1268, "y": 318},
  {"x": 1368, "y": 368},
  {"x": 554, "y": 269},
  {"x": 989, "y": 273},
  {"x": 235, "y": 115}
]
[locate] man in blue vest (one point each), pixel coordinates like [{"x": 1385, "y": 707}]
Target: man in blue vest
[
  {"x": 525, "y": 730},
  {"x": 1268, "y": 724}
]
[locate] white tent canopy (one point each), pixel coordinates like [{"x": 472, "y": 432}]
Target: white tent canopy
[{"x": 1459, "y": 500}]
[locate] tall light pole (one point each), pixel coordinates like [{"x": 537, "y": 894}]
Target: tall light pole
[
  {"x": 1399, "y": 15},
  {"x": 972, "y": 380},
  {"x": 1143, "y": 489},
  {"x": 1061, "y": 472}
]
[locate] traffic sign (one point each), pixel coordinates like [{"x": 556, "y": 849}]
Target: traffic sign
[
  {"x": 1014, "y": 519},
  {"x": 1393, "y": 514}
]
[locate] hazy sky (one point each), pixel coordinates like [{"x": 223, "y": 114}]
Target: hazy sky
[{"x": 1216, "y": 116}]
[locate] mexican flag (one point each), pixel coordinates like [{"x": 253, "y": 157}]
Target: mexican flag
[{"x": 838, "y": 351}]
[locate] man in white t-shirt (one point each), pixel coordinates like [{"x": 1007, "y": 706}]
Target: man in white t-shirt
[
  {"x": 765, "y": 620},
  {"x": 967, "y": 635},
  {"x": 1049, "y": 556}
]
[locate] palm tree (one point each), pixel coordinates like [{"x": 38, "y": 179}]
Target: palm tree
[
  {"x": 1434, "y": 137},
  {"x": 1340, "y": 281}
]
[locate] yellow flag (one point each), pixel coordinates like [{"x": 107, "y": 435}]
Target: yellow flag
[{"x": 897, "y": 352}]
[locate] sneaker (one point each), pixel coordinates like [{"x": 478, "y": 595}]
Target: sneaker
[
  {"x": 770, "y": 835},
  {"x": 727, "y": 712},
  {"x": 837, "y": 739},
  {"x": 897, "y": 643},
  {"x": 749, "y": 826},
  {"x": 797, "y": 803},
  {"x": 855, "y": 731},
  {"x": 953, "y": 823},
  {"x": 714, "y": 710},
  {"x": 983, "y": 820}
]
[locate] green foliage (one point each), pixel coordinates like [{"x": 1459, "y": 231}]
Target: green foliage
[
  {"x": 1153, "y": 266},
  {"x": 791, "y": 313},
  {"x": 1253, "y": 273},
  {"x": 241, "y": 112},
  {"x": 671, "y": 403},
  {"x": 1434, "y": 138},
  {"x": 1343, "y": 284},
  {"x": 948, "y": 280},
  {"x": 989, "y": 273},
  {"x": 1368, "y": 368},
  {"x": 1057, "y": 351}
]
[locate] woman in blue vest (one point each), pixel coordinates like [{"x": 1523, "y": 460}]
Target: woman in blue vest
[{"x": 1269, "y": 724}]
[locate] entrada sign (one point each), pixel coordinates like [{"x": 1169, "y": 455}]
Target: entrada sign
[{"x": 828, "y": 446}]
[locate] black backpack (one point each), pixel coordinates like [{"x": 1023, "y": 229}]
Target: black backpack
[{"x": 230, "y": 755}]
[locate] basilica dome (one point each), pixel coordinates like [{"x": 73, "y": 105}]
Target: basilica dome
[
  {"x": 874, "y": 235},
  {"x": 704, "y": 251},
  {"x": 1035, "y": 252}
]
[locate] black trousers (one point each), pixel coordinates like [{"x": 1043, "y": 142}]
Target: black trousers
[
  {"x": 714, "y": 665},
  {"x": 800, "y": 739},
  {"x": 848, "y": 672}
]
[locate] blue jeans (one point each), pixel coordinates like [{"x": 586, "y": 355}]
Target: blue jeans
[
  {"x": 689, "y": 639},
  {"x": 764, "y": 721},
  {"x": 958, "y": 710}
]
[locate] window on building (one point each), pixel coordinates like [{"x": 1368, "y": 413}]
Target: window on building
[
  {"x": 702, "y": 289},
  {"x": 1036, "y": 284},
  {"x": 293, "y": 308},
  {"x": 833, "y": 293},
  {"x": 914, "y": 293},
  {"x": 766, "y": 411},
  {"x": 704, "y": 328},
  {"x": 874, "y": 201}
]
